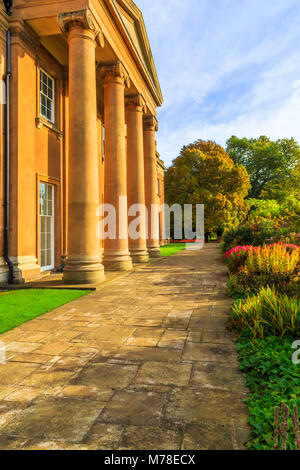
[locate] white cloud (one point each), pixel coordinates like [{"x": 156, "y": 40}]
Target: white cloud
[
  {"x": 225, "y": 67},
  {"x": 282, "y": 123}
]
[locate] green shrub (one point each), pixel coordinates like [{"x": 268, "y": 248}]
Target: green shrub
[
  {"x": 267, "y": 313},
  {"x": 258, "y": 230},
  {"x": 242, "y": 284},
  {"x": 248, "y": 234},
  {"x": 242, "y": 235},
  {"x": 272, "y": 378}
]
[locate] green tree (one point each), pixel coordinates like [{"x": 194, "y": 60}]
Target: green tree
[
  {"x": 273, "y": 166},
  {"x": 205, "y": 174}
]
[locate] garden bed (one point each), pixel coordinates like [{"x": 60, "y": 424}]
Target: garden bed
[
  {"x": 264, "y": 281},
  {"x": 272, "y": 379}
]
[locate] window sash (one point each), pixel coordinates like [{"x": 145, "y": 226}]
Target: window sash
[
  {"x": 46, "y": 226},
  {"x": 47, "y": 96}
]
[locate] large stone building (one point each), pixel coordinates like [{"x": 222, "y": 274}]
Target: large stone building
[{"x": 82, "y": 94}]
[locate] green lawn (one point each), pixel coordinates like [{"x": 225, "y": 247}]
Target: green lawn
[
  {"x": 20, "y": 306},
  {"x": 169, "y": 250}
]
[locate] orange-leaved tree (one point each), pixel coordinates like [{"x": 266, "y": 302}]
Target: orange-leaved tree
[{"x": 205, "y": 174}]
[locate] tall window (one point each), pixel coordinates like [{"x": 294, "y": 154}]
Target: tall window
[
  {"x": 46, "y": 226},
  {"x": 158, "y": 187},
  {"x": 47, "y": 96}
]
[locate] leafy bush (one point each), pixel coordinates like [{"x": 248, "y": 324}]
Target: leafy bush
[
  {"x": 247, "y": 234},
  {"x": 267, "y": 313},
  {"x": 267, "y": 220},
  {"x": 242, "y": 284},
  {"x": 272, "y": 378}
]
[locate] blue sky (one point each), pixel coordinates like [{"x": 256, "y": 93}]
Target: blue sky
[{"x": 225, "y": 67}]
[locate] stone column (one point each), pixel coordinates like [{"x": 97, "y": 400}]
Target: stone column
[
  {"x": 116, "y": 250},
  {"x": 150, "y": 126},
  {"x": 83, "y": 260},
  {"x": 135, "y": 176}
]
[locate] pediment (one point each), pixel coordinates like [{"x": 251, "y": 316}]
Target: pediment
[{"x": 133, "y": 26}]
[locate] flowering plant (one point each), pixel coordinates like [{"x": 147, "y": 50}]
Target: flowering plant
[
  {"x": 278, "y": 258},
  {"x": 236, "y": 250},
  {"x": 275, "y": 258},
  {"x": 236, "y": 257}
]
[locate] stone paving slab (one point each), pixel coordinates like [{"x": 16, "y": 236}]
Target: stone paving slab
[{"x": 145, "y": 362}]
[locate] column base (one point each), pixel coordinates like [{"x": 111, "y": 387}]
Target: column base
[
  {"x": 154, "y": 252},
  {"x": 117, "y": 261},
  {"x": 139, "y": 256},
  {"x": 4, "y": 271},
  {"x": 83, "y": 271},
  {"x": 26, "y": 268}
]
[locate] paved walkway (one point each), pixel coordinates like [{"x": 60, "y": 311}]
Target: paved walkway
[{"x": 144, "y": 363}]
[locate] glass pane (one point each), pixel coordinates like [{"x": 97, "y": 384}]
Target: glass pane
[
  {"x": 48, "y": 241},
  {"x": 43, "y": 240},
  {"x": 48, "y": 225},
  {"x": 48, "y": 258},
  {"x": 43, "y": 110},
  {"x": 43, "y": 77},
  {"x": 43, "y": 258},
  {"x": 47, "y": 191},
  {"x": 50, "y": 193},
  {"x": 43, "y": 207},
  {"x": 50, "y": 207},
  {"x": 43, "y": 224}
]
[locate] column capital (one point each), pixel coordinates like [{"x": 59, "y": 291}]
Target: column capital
[
  {"x": 81, "y": 18},
  {"x": 114, "y": 71},
  {"x": 136, "y": 101},
  {"x": 150, "y": 123}
]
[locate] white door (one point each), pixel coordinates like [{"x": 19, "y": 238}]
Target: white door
[{"x": 46, "y": 226}]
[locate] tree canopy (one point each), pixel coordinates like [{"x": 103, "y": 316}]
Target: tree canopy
[
  {"x": 204, "y": 173},
  {"x": 273, "y": 166}
]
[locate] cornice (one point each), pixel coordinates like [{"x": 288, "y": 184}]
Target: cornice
[
  {"x": 135, "y": 12},
  {"x": 3, "y": 24},
  {"x": 20, "y": 30},
  {"x": 3, "y": 19},
  {"x": 160, "y": 162}
]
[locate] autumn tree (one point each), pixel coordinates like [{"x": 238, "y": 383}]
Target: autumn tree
[
  {"x": 205, "y": 174},
  {"x": 273, "y": 166}
]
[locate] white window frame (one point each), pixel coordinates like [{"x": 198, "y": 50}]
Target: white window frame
[
  {"x": 52, "y": 120},
  {"x": 51, "y": 266}
]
